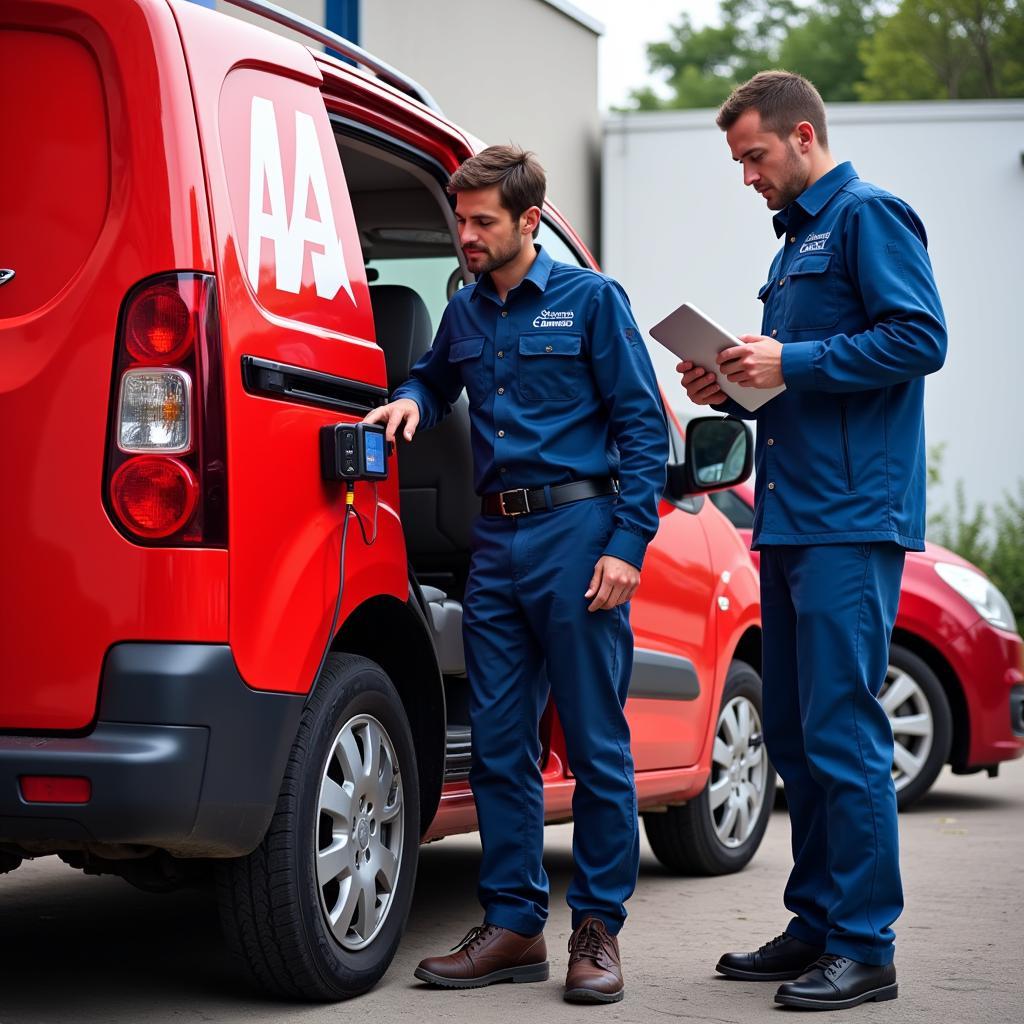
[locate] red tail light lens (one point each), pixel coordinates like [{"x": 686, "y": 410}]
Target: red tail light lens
[
  {"x": 159, "y": 326},
  {"x": 154, "y": 496},
  {"x": 167, "y": 399},
  {"x": 55, "y": 789}
]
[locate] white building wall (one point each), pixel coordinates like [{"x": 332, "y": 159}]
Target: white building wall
[{"x": 678, "y": 225}]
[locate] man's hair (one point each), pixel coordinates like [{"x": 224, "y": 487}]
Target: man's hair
[
  {"x": 782, "y": 99},
  {"x": 517, "y": 171}
]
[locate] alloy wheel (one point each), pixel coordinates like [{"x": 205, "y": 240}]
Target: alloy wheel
[
  {"x": 739, "y": 773},
  {"x": 913, "y": 726},
  {"x": 360, "y": 833}
]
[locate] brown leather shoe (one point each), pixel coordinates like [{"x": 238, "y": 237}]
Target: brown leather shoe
[
  {"x": 595, "y": 971},
  {"x": 488, "y": 954}
]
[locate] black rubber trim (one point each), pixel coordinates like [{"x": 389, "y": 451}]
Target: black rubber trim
[
  {"x": 663, "y": 676},
  {"x": 1017, "y": 710},
  {"x": 310, "y": 387},
  {"x": 184, "y": 756}
]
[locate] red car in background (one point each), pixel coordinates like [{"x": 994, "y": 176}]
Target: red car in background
[{"x": 954, "y": 691}]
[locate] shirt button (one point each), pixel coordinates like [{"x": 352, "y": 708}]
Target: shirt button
[
  {"x": 782, "y": 281},
  {"x": 792, "y": 238},
  {"x": 501, "y": 433},
  {"x": 549, "y": 348},
  {"x": 501, "y": 391},
  {"x": 771, "y": 441},
  {"x": 501, "y": 355},
  {"x": 504, "y": 312},
  {"x": 771, "y": 486},
  {"x": 504, "y": 469},
  {"x": 775, "y": 331}
]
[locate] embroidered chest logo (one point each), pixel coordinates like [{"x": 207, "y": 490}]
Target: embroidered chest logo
[
  {"x": 554, "y": 318},
  {"x": 812, "y": 243}
]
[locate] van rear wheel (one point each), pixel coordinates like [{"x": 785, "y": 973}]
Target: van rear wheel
[
  {"x": 316, "y": 911},
  {"x": 719, "y": 831}
]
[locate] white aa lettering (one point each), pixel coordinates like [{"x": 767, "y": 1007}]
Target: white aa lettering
[{"x": 290, "y": 237}]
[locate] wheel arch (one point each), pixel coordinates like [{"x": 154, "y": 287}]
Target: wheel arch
[
  {"x": 749, "y": 648},
  {"x": 394, "y": 635},
  {"x": 950, "y": 682}
]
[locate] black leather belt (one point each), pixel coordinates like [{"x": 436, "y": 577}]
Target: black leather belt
[{"x": 521, "y": 502}]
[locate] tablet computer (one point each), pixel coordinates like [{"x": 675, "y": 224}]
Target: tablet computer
[{"x": 693, "y": 335}]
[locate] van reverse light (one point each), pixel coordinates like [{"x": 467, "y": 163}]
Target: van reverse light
[
  {"x": 154, "y": 496},
  {"x": 55, "y": 789},
  {"x": 154, "y": 411},
  {"x": 159, "y": 325}
]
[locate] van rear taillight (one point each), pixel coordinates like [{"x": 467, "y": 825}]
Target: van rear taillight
[{"x": 165, "y": 480}]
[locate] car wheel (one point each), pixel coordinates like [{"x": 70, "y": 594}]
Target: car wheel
[
  {"x": 718, "y": 831},
  {"x": 922, "y": 724},
  {"x": 316, "y": 911}
]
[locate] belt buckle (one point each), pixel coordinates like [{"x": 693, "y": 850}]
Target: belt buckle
[{"x": 520, "y": 493}]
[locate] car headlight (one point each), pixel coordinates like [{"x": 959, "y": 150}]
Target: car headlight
[{"x": 979, "y": 592}]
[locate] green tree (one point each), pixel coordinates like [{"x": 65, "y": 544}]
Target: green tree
[
  {"x": 946, "y": 49},
  {"x": 702, "y": 66}
]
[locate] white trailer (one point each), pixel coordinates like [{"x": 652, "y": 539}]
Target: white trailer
[{"x": 678, "y": 225}]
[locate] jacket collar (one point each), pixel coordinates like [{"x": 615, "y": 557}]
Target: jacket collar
[{"x": 814, "y": 199}]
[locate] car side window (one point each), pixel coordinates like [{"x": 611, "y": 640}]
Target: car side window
[{"x": 737, "y": 511}]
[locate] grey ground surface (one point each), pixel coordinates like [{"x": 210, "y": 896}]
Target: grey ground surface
[{"x": 95, "y": 950}]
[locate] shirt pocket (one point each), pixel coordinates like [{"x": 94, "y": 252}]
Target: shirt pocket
[
  {"x": 550, "y": 367},
  {"x": 812, "y": 302},
  {"x": 467, "y": 355}
]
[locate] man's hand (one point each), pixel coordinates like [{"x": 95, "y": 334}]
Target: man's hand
[
  {"x": 614, "y": 582},
  {"x": 757, "y": 363},
  {"x": 405, "y": 410},
  {"x": 701, "y": 385}
]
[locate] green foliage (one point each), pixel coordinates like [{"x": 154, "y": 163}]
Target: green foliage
[
  {"x": 850, "y": 49},
  {"x": 993, "y": 541}
]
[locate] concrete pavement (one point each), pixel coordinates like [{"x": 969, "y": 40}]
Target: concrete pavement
[{"x": 87, "y": 950}]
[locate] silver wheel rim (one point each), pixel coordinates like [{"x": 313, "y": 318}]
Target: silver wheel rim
[
  {"x": 913, "y": 727},
  {"x": 359, "y": 831},
  {"x": 739, "y": 773}
]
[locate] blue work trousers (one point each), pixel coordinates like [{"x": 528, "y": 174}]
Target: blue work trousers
[
  {"x": 526, "y": 627},
  {"x": 828, "y": 614}
]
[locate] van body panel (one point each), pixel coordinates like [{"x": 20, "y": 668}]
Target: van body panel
[
  {"x": 292, "y": 289},
  {"x": 73, "y": 586}
]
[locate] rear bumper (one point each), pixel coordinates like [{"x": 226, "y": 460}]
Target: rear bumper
[{"x": 184, "y": 756}]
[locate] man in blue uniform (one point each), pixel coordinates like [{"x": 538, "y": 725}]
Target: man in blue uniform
[
  {"x": 852, "y": 323},
  {"x": 570, "y": 447}
]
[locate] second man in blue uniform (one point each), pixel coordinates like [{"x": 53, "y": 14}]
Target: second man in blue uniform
[{"x": 570, "y": 447}]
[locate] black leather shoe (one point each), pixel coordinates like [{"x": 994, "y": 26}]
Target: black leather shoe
[
  {"x": 837, "y": 983},
  {"x": 778, "y": 959}
]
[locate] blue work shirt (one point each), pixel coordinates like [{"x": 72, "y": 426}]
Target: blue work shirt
[
  {"x": 840, "y": 454},
  {"x": 560, "y": 387}
]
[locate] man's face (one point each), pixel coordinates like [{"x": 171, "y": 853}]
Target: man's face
[
  {"x": 774, "y": 167},
  {"x": 488, "y": 234}
]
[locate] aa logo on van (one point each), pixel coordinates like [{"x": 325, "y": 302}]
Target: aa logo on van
[{"x": 288, "y": 224}]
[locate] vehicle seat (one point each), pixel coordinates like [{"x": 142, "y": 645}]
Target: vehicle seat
[{"x": 435, "y": 471}]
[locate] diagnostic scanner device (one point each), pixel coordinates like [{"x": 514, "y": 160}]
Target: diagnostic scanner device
[{"x": 353, "y": 451}]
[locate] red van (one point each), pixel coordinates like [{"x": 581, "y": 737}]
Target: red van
[{"x": 217, "y": 657}]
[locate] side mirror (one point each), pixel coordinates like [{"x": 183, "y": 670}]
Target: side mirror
[{"x": 719, "y": 453}]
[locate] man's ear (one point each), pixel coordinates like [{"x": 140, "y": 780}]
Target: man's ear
[
  {"x": 529, "y": 221},
  {"x": 804, "y": 135}
]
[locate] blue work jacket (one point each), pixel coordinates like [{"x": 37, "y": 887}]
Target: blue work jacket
[
  {"x": 560, "y": 387},
  {"x": 840, "y": 454}
]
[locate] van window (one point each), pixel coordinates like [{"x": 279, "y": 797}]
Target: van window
[{"x": 557, "y": 247}]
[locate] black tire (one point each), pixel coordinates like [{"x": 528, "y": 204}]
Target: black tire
[
  {"x": 930, "y": 691},
  {"x": 685, "y": 838},
  {"x": 270, "y": 901}
]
